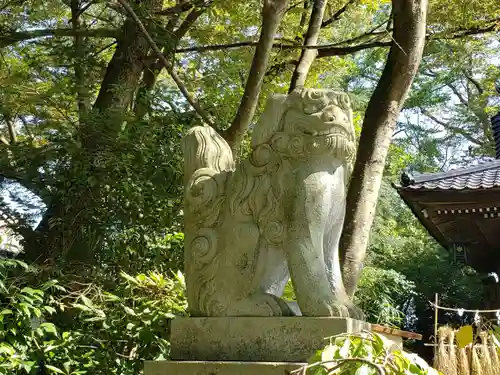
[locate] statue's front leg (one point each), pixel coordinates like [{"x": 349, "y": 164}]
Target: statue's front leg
[
  {"x": 306, "y": 216},
  {"x": 335, "y": 223}
]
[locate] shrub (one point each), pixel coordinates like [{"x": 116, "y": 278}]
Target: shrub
[{"x": 81, "y": 327}]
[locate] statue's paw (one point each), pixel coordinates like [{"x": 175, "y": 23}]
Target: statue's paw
[
  {"x": 338, "y": 310},
  {"x": 347, "y": 310},
  {"x": 258, "y": 305},
  {"x": 355, "y": 312}
]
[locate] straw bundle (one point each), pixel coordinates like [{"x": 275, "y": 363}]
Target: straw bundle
[
  {"x": 476, "y": 359},
  {"x": 486, "y": 363},
  {"x": 452, "y": 352},
  {"x": 495, "y": 361},
  {"x": 476, "y": 363},
  {"x": 463, "y": 367},
  {"x": 442, "y": 358}
]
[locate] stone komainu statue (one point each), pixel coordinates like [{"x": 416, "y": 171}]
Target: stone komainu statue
[{"x": 250, "y": 227}]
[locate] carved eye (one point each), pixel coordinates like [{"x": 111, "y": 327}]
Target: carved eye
[
  {"x": 309, "y": 109},
  {"x": 328, "y": 117}
]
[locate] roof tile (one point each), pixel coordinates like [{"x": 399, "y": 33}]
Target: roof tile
[{"x": 481, "y": 176}]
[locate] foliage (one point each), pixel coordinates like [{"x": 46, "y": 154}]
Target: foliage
[
  {"x": 76, "y": 327},
  {"x": 376, "y": 292},
  {"x": 366, "y": 354},
  {"x": 418, "y": 264}
]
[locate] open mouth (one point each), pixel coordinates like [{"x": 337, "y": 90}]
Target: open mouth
[{"x": 336, "y": 130}]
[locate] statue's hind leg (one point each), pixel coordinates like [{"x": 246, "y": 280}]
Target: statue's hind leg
[{"x": 272, "y": 276}]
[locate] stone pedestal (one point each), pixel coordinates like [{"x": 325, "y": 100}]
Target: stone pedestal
[
  {"x": 247, "y": 345},
  {"x": 256, "y": 346},
  {"x": 219, "y": 368},
  {"x": 273, "y": 339}
]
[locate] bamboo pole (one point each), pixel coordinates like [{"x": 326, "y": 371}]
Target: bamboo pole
[{"x": 436, "y": 315}]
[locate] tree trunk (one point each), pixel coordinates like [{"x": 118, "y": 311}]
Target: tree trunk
[
  {"x": 272, "y": 13},
  {"x": 378, "y": 125},
  {"x": 308, "y": 55}
]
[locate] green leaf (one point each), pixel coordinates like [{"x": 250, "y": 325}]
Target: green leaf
[
  {"x": 6, "y": 312},
  {"x": 81, "y": 307},
  {"x": 50, "y": 310},
  {"x": 49, "y": 327},
  {"x": 7, "y": 349},
  {"x": 2, "y": 287},
  {"x": 129, "y": 278},
  {"x": 130, "y": 326},
  {"x": 37, "y": 312},
  {"x": 378, "y": 343},
  {"x": 111, "y": 297},
  {"x": 31, "y": 291},
  {"x": 66, "y": 366},
  {"x": 25, "y": 309},
  {"x": 28, "y": 365},
  {"x": 54, "y": 369},
  {"x": 87, "y": 302},
  {"x": 129, "y": 311},
  {"x": 366, "y": 370}
]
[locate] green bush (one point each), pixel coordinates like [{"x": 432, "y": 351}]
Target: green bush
[
  {"x": 82, "y": 328},
  {"x": 375, "y": 295},
  {"x": 364, "y": 354}
]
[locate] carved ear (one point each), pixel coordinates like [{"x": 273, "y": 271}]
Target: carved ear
[{"x": 270, "y": 121}]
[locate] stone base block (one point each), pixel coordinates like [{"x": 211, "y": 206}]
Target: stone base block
[
  {"x": 218, "y": 368},
  {"x": 255, "y": 339}
]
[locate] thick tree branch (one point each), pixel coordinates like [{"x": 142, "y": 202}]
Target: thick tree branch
[
  {"x": 308, "y": 55},
  {"x": 272, "y": 13},
  {"x": 191, "y": 100},
  {"x": 472, "y": 80},
  {"x": 337, "y": 15},
  {"x": 12, "y": 130},
  {"x": 8, "y": 39},
  {"x": 453, "y": 128},
  {"x": 378, "y": 126},
  {"x": 338, "y": 49},
  {"x": 80, "y": 11},
  {"x": 82, "y": 98},
  {"x": 303, "y": 17},
  {"x": 152, "y": 70},
  {"x": 189, "y": 21},
  {"x": 458, "y": 94}
]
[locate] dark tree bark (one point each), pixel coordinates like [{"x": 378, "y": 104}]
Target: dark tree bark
[
  {"x": 378, "y": 126},
  {"x": 78, "y": 63},
  {"x": 272, "y": 14}
]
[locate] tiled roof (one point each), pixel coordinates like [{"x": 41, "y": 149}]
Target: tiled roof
[{"x": 482, "y": 176}]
